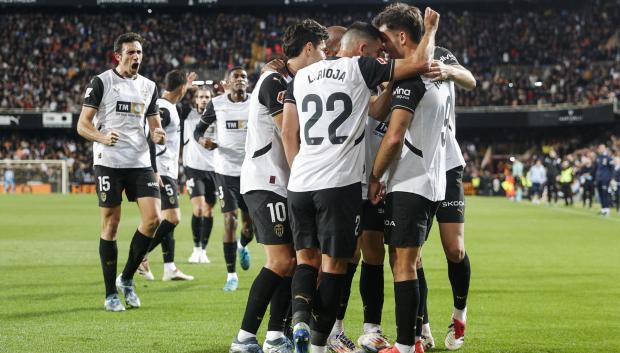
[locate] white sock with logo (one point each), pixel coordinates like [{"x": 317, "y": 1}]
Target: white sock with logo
[
  {"x": 169, "y": 267},
  {"x": 460, "y": 315}
]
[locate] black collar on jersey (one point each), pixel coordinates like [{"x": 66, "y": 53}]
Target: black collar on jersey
[
  {"x": 119, "y": 75},
  {"x": 247, "y": 96}
]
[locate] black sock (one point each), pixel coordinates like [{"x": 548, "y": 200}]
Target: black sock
[
  {"x": 459, "y": 274},
  {"x": 371, "y": 290},
  {"x": 425, "y": 321},
  {"x": 137, "y": 250},
  {"x": 167, "y": 247},
  {"x": 280, "y": 305},
  {"x": 230, "y": 256},
  {"x": 423, "y": 294},
  {"x": 303, "y": 288},
  {"x": 346, "y": 291},
  {"x": 164, "y": 228},
  {"x": 329, "y": 295},
  {"x": 196, "y": 230},
  {"x": 407, "y": 300},
  {"x": 246, "y": 239},
  {"x": 205, "y": 231},
  {"x": 263, "y": 288},
  {"x": 108, "y": 253}
]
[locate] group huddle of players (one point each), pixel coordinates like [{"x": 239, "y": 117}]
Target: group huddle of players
[{"x": 346, "y": 146}]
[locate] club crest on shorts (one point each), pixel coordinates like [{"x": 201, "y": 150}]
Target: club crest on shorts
[
  {"x": 222, "y": 203},
  {"x": 279, "y": 230},
  {"x": 172, "y": 200},
  {"x": 103, "y": 196}
]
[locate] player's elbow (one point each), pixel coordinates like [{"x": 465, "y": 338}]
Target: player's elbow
[{"x": 393, "y": 140}]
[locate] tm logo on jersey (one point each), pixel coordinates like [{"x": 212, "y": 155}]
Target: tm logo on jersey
[
  {"x": 236, "y": 124},
  {"x": 130, "y": 107}
]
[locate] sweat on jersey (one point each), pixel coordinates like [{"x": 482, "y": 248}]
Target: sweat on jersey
[
  {"x": 265, "y": 166},
  {"x": 194, "y": 155},
  {"x": 231, "y": 120},
  {"x": 167, "y": 156},
  {"x": 421, "y": 167},
  {"x": 332, "y": 103},
  {"x": 122, "y": 104}
]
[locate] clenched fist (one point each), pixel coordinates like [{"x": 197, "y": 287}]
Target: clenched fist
[
  {"x": 431, "y": 19},
  {"x": 110, "y": 138},
  {"x": 159, "y": 136}
]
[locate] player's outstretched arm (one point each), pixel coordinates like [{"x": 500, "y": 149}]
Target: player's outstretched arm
[
  {"x": 290, "y": 132},
  {"x": 455, "y": 73},
  {"x": 87, "y": 130},
  {"x": 420, "y": 61},
  {"x": 391, "y": 146}
]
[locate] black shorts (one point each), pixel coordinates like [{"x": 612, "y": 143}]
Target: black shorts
[
  {"x": 373, "y": 216},
  {"x": 201, "y": 183},
  {"x": 268, "y": 211},
  {"x": 170, "y": 193},
  {"x": 327, "y": 219},
  {"x": 229, "y": 192},
  {"x": 452, "y": 208},
  {"x": 408, "y": 219},
  {"x": 137, "y": 183}
]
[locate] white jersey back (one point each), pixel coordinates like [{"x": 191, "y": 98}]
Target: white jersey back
[
  {"x": 265, "y": 166},
  {"x": 122, "y": 105},
  {"x": 194, "y": 155},
  {"x": 167, "y": 156},
  {"x": 332, "y": 104},
  {"x": 231, "y": 121},
  {"x": 421, "y": 168},
  {"x": 454, "y": 156},
  {"x": 375, "y": 130}
]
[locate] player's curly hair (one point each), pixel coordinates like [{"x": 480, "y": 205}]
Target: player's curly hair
[
  {"x": 297, "y": 35},
  {"x": 128, "y": 37},
  {"x": 402, "y": 17}
]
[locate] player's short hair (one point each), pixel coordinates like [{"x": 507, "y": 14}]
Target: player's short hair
[
  {"x": 206, "y": 89},
  {"x": 234, "y": 69},
  {"x": 129, "y": 37},
  {"x": 174, "y": 79},
  {"x": 361, "y": 30},
  {"x": 297, "y": 35},
  {"x": 403, "y": 17}
]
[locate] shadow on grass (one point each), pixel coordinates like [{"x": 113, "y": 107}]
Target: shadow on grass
[
  {"x": 38, "y": 314},
  {"x": 218, "y": 349}
]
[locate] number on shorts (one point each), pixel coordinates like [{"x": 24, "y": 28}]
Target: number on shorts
[
  {"x": 104, "y": 183},
  {"x": 190, "y": 185},
  {"x": 220, "y": 193},
  {"x": 278, "y": 212},
  {"x": 357, "y": 224},
  {"x": 169, "y": 190}
]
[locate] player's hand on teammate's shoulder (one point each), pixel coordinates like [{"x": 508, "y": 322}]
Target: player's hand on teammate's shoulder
[
  {"x": 431, "y": 19},
  {"x": 439, "y": 71},
  {"x": 110, "y": 138},
  {"x": 159, "y": 136},
  {"x": 277, "y": 65},
  {"x": 207, "y": 143}
]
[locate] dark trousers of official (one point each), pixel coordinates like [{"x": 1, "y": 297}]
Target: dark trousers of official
[
  {"x": 603, "y": 193},
  {"x": 552, "y": 191},
  {"x": 568, "y": 194},
  {"x": 588, "y": 194}
]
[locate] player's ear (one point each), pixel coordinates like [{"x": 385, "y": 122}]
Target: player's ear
[
  {"x": 117, "y": 57},
  {"x": 402, "y": 38}
]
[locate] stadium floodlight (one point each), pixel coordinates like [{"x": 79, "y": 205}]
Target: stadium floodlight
[{"x": 50, "y": 175}]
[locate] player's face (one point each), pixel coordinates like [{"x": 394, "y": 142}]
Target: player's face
[
  {"x": 130, "y": 57},
  {"x": 202, "y": 99},
  {"x": 373, "y": 49},
  {"x": 392, "y": 42},
  {"x": 239, "y": 80}
]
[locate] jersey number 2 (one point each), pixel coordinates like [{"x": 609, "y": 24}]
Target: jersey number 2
[{"x": 330, "y": 107}]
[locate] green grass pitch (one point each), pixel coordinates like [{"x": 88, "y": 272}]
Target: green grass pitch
[{"x": 544, "y": 279}]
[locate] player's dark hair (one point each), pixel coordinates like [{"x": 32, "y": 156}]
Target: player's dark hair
[
  {"x": 297, "y": 35},
  {"x": 174, "y": 79},
  {"x": 234, "y": 69},
  {"x": 129, "y": 37},
  {"x": 363, "y": 30},
  {"x": 402, "y": 17}
]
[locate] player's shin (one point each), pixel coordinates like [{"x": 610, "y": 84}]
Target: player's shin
[
  {"x": 263, "y": 288},
  {"x": 108, "y": 253},
  {"x": 328, "y": 297},
  {"x": 459, "y": 274},
  {"x": 137, "y": 250}
]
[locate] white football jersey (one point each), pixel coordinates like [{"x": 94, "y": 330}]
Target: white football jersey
[
  {"x": 231, "y": 121},
  {"x": 421, "y": 167},
  {"x": 375, "y": 130},
  {"x": 194, "y": 155},
  {"x": 454, "y": 156},
  {"x": 265, "y": 166},
  {"x": 122, "y": 105},
  {"x": 332, "y": 103},
  {"x": 167, "y": 156}
]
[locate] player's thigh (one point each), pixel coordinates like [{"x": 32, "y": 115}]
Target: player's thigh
[
  {"x": 198, "y": 205},
  {"x": 404, "y": 263},
  {"x": 338, "y": 219},
  {"x": 372, "y": 248},
  {"x": 330, "y": 264},
  {"x": 302, "y": 216},
  {"x": 269, "y": 215},
  {"x": 109, "y": 185},
  {"x": 110, "y": 219},
  {"x": 225, "y": 185},
  {"x": 452, "y": 208},
  {"x": 408, "y": 218}
]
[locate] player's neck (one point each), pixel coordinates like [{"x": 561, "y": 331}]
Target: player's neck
[
  {"x": 409, "y": 50},
  {"x": 123, "y": 73},
  {"x": 295, "y": 64},
  {"x": 237, "y": 96},
  {"x": 171, "y": 97}
]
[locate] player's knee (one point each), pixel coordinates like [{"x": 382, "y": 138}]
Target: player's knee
[
  {"x": 152, "y": 222},
  {"x": 455, "y": 253},
  {"x": 175, "y": 219},
  {"x": 374, "y": 256},
  {"x": 110, "y": 228},
  {"x": 281, "y": 265}
]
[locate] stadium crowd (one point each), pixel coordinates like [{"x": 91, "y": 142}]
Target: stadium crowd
[{"x": 517, "y": 60}]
